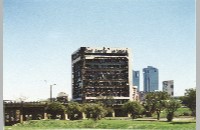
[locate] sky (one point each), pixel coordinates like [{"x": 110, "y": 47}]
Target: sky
[{"x": 39, "y": 37}]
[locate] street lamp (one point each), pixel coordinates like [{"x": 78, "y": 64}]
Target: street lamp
[{"x": 51, "y": 92}]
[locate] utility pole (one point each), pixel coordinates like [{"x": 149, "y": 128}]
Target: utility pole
[{"x": 51, "y": 92}]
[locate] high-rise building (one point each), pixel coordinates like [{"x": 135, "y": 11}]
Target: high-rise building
[
  {"x": 168, "y": 86},
  {"x": 150, "y": 75},
  {"x": 101, "y": 72},
  {"x": 136, "y": 79}
]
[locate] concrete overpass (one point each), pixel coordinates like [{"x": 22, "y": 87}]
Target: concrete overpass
[{"x": 16, "y": 112}]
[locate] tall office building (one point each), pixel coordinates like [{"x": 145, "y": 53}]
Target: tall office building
[
  {"x": 101, "y": 72},
  {"x": 150, "y": 75},
  {"x": 136, "y": 79},
  {"x": 168, "y": 86}
]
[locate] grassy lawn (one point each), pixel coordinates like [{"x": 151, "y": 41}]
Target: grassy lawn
[
  {"x": 104, "y": 124},
  {"x": 180, "y": 112}
]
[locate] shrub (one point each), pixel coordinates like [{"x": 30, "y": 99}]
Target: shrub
[{"x": 186, "y": 114}]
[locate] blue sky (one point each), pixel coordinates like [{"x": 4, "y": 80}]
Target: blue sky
[{"x": 40, "y": 36}]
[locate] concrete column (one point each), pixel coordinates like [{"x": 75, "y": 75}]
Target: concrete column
[
  {"x": 66, "y": 117},
  {"x": 113, "y": 114},
  {"x": 129, "y": 115},
  {"x": 21, "y": 118},
  {"x": 45, "y": 116},
  {"x": 83, "y": 115}
]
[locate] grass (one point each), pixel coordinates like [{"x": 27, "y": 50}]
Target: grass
[
  {"x": 180, "y": 112},
  {"x": 104, "y": 124}
]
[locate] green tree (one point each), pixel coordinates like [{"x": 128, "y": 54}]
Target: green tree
[
  {"x": 190, "y": 100},
  {"x": 107, "y": 102},
  {"x": 171, "y": 106},
  {"x": 55, "y": 108},
  {"x": 155, "y": 102},
  {"x": 74, "y": 110},
  {"x": 133, "y": 107},
  {"x": 94, "y": 111}
]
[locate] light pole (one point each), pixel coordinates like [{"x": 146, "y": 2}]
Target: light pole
[{"x": 51, "y": 92}]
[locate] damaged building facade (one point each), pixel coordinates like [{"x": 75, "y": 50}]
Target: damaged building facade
[{"x": 101, "y": 72}]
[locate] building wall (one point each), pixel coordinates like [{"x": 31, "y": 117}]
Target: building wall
[
  {"x": 100, "y": 72},
  {"x": 168, "y": 86},
  {"x": 136, "y": 79},
  {"x": 142, "y": 95},
  {"x": 135, "y": 94},
  {"x": 151, "y": 80}
]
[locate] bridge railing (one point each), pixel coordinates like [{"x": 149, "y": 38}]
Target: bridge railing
[{"x": 17, "y": 104}]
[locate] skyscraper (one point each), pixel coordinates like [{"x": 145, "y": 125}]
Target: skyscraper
[
  {"x": 168, "y": 86},
  {"x": 150, "y": 75},
  {"x": 136, "y": 79},
  {"x": 101, "y": 72}
]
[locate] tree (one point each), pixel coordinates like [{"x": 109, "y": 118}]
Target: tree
[
  {"x": 74, "y": 110},
  {"x": 133, "y": 107},
  {"x": 21, "y": 98},
  {"x": 107, "y": 102},
  {"x": 94, "y": 111},
  {"x": 171, "y": 106},
  {"x": 190, "y": 100},
  {"x": 55, "y": 108},
  {"x": 155, "y": 102}
]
